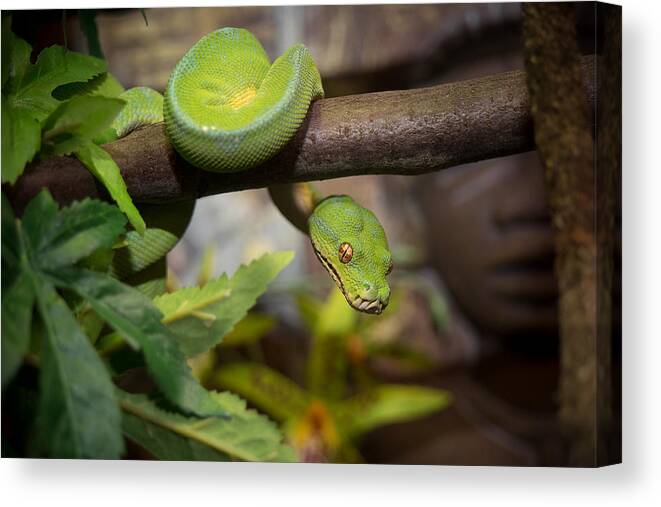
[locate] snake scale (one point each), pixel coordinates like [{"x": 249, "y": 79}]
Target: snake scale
[{"x": 227, "y": 108}]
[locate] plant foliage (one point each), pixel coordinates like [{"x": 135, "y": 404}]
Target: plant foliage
[
  {"x": 325, "y": 420},
  {"x": 201, "y": 316},
  {"x": 245, "y": 435},
  {"x": 48, "y": 251},
  {"x": 63, "y": 104}
]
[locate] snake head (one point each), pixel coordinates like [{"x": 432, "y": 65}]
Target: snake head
[{"x": 351, "y": 244}]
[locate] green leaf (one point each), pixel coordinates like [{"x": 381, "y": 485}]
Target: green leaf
[
  {"x": 265, "y": 388},
  {"x": 201, "y": 316},
  {"x": 17, "y": 297},
  {"x": 390, "y": 403},
  {"x": 77, "y": 121},
  {"x": 21, "y": 139},
  {"x": 104, "y": 168},
  {"x": 207, "y": 265},
  {"x": 309, "y": 309},
  {"x": 327, "y": 364},
  {"x": 103, "y": 85},
  {"x": 11, "y": 251},
  {"x": 77, "y": 231},
  {"x": 15, "y": 57},
  {"x": 337, "y": 318},
  {"x": 252, "y": 328},
  {"x": 78, "y": 416},
  {"x": 49, "y": 238},
  {"x": 17, "y": 305},
  {"x": 139, "y": 322},
  {"x": 55, "y": 66},
  {"x": 107, "y": 85},
  {"x": 27, "y": 95},
  {"x": 37, "y": 218},
  {"x": 245, "y": 435}
]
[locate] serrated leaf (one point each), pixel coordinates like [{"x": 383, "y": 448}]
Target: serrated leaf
[
  {"x": 75, "y": 232},
  {"x": 245, "y": 435},
  {"x": 390, "y": 403},
  {"x": 104, "y": 168},
  {"x": 26, "y": 95},
  {"x": 55, "y": 66},
  {"x": 74, "y": 383},
  {"x": 223, "y": 302},
  {"x": 21, "y": 139},
  {"x": 103, "y": 85},
  {"x": 134, "y": 316},
  {"x": 17, "y": 305},
  {"x": 264, "y": 387},
  {"x": 76, "y": 121},
  {"x": 37, "y": 217},
  {"x": 78, "y": 416}
]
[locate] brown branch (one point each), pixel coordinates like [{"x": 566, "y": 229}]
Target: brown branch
[{"x": 397, "y": 132}]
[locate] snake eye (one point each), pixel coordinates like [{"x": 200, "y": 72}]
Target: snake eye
[
  {"x": 390, "y": 266},
  {"x": 345, "y": 253}
]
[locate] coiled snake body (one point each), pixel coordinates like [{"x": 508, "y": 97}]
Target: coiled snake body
[{"x": 227, "y": 108}]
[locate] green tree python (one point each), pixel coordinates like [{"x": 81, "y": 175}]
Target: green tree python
[{"x": 227, "y": 108}]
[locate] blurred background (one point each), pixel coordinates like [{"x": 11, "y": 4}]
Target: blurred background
[{"x": 474, "y": 304}]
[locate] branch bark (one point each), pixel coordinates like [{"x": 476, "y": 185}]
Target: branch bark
[{"x": 395, "y": 132}]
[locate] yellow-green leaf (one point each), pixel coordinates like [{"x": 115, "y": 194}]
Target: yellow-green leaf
[
  {"x": 244, "y": 435},
  {"x": 77, "y": 121},
  {"x": 201, "y": 316},
  {"x": 390, "y": 403},
  {"x": 264, "y": 387},
  {"x": 104, "y": 168}
]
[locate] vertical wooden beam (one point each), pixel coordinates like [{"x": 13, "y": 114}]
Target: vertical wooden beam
[
  {"x": 608, "y": 172},
  {"x": 580, "y": 196}
]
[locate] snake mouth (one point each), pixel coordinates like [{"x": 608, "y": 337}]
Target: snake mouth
[{"x": 374, "y": 306}]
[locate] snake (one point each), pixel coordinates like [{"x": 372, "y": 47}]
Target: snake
[{"x": 227, "y": 108}]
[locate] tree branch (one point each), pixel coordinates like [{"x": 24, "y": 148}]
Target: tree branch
[{"x": 395, "y": 132}]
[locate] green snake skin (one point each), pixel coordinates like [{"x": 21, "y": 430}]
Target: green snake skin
[
  {"x": 146, "y": 107},
  {"x": 227, "y": 109}
]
